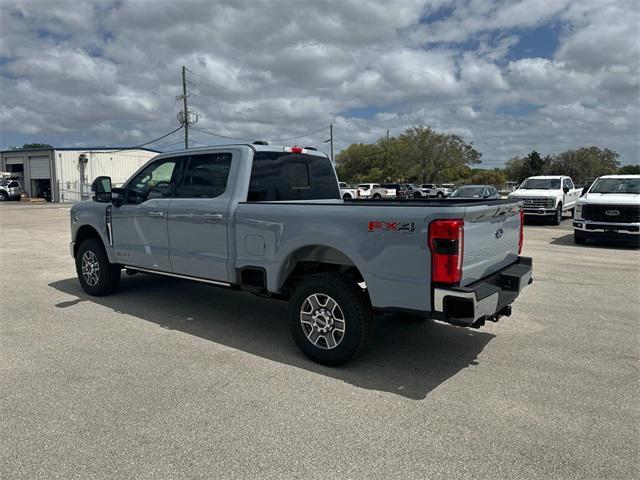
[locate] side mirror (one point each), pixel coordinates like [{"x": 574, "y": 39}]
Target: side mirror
[
  {"x": 101, "y": 190},
  {"x": 117, "y": 196},
  {"x": 565, "y": 189}
]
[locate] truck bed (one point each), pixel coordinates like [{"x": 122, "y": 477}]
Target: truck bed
[{"x": 389, "y": 246}]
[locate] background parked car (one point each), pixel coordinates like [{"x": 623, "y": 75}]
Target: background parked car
[
  {"x": 347, "y": 192},
  {"x": 414, "y": 191},
  {"x": 476, "y": 191},
  {"x": 400, "y": 189},
  {"x": 433, "y": 190},
  {"x": 10, "y": 189},
  {"x": 375, "y": 190}
]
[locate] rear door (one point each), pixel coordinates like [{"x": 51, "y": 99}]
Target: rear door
[
  {"x": 198, "y": 217},
  {"x": 491, "y": 240}
]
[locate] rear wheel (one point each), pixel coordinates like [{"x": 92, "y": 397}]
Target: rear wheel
[
  {"x": 417, "y": 195},
  {"x": 97, "y": 276},
  {"x": 440, "y": 195},
  {"x": 579, "y": 237},
  {"x": 557, "y": 218},
  {"x": 330, "y": 318},
  {"x": 346, "y": 196},
  {"x": 377, "y": 196}
]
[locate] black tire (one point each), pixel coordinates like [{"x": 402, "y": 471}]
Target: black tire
[
  {"x": 417, "y": 195},
  {"x": 346, "y": 196},
  {"x": 3, "y": 197},
  {"x": 377, "y": 196},
  {"x": 108, "y": 275},
  {"x": 353, "y": 306},
  {"x": 440, "y": 195},
  {"x": 579, "y": 237},
  {"x": 557, "y": 218}
]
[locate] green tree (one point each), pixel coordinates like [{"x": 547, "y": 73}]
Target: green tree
[
  {"x": 427, "y": 153},
  {"x": 495, "y": 177},
  {"x": 34, "y": 145},
  {"x": 629, "y": 170},
  {"x": 585, "y": 163}
]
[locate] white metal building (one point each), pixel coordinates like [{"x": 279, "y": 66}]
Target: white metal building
[{"x": 67, "y": 173}]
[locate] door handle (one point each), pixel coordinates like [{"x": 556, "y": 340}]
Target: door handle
[
  {"x": 213, "y": 217},
  {"x": 156, "y": 213}
]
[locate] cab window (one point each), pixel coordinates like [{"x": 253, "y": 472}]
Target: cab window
[
  {"x": 152, "y": 182},
  {"x": 205, "y": 176}
]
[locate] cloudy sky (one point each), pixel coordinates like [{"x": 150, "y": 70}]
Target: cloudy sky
[{"x": 510, "y": 76}]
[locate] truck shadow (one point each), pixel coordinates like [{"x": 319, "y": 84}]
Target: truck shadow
[
  {"x": 567, "y": 240},
  {"x": 407, "y": 358}
]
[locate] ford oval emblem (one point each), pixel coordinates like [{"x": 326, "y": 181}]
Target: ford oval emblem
[
  {"x": 612, "y": 213},
  {"x": 499, "y": 233}
]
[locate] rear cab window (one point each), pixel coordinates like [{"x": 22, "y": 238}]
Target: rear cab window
[{"x": 281, "y": 176}]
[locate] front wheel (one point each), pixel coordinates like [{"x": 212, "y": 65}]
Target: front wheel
[
  {"x": 557, "y": 218},
  {"x": 3, "y": 197},
  {"x": 377, "y": 196},
  {"x": 417, "y": 195},
  {"x": 330, "y": 318},
  {"x": 346, "y": 196},
  {"x": 97, "y": 276},
  {"x": 440, "y": 195}
]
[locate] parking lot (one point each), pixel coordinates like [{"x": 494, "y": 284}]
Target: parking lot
[{"x": 170, "y": 379}]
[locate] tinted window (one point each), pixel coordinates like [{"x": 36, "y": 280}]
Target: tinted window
[
  {"x": 152, "y": 182},
  {"x": 291, "y": 176},
  {"x": 541, "y": 184},
  {"x": 205, "y": 176},
  {"x": 13, "y": 184}
]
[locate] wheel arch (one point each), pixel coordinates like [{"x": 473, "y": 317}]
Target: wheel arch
[
  {"x": 85, "y": 232},
  {"x": 316, "y": 258}
]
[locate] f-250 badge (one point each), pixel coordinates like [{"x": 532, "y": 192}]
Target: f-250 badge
[{"x": 381, "y": 226}]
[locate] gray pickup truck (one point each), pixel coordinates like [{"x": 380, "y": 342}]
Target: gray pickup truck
[{"x": 269, "y": 220}]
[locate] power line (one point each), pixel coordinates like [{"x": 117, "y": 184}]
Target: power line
[{"x": 141, "y": 145}]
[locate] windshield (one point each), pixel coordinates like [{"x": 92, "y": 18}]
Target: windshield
[
  {"x": 468, "y": 192},
  {"x": 616, "y": 185},
  {"x": 541, "y": 184}
]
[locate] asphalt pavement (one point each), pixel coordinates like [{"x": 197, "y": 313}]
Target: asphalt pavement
[{"x": 170, "y": 379}]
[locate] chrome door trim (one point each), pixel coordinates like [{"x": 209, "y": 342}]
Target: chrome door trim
[{"x": 176, "y": 275}]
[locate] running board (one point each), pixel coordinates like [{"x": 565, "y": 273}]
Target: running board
[{"x": 175, "y": 275}]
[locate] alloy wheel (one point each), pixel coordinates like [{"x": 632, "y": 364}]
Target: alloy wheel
[
  {"x": 90, "y": 268},
  {"x": 322, "y": 321}
]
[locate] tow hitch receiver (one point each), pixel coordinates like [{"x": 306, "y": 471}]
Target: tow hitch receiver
[{"x": 505, "y": 312}]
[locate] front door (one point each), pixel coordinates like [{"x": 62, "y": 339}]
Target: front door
[
  {"x": 139, "y": 225},
  {"x": 198, "y": 217}
]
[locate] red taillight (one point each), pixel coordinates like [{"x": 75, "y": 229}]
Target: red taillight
[
  {"x": 521, "y": 239},
  {"x": 446, "y": 241},
  {"x": 296, "y": 149}
]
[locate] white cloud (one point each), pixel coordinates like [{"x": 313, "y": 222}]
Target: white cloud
[{"x": 110, "y": 72}]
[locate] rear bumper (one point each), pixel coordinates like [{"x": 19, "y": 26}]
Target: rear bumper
[{"x": 488, "y": 298}]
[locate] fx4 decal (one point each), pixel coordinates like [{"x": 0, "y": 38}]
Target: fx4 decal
[{"x": 375, "y": 226}]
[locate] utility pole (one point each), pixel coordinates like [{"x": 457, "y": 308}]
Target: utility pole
[
  {"x": 387, "y": 147},
  {"x": 184, "y": 102},
  {"x": 331, "y": 138}
]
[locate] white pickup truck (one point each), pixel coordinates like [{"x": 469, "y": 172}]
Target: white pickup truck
[
  {"x": 547, "y": 196},
  {"x": 375, "y": 190},
  {"x": 347, "y": 192},
  {"x": 609, "y": 210}
]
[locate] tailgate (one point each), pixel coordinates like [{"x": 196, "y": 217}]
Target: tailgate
[{"x": 491, "y": 239}]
